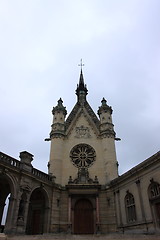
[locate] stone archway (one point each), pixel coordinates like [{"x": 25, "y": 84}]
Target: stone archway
[
  {"x": 36, "y": 222},
  {"x": 6, "y": 190},
  {"x": 83, "y": 217}
]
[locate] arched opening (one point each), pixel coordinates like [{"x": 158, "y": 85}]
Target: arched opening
[
  {"x": 83, "y": 217},
  {"x": 5, "y": 210},
  {"x": 36, "y": 213},
  {"x": 5, "y": 195},
  {"x": 130, "y": 207},
  {"x": 154, "y": 198}
]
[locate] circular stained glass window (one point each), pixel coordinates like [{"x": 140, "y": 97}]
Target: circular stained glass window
[{"x": 83, "y": 155}]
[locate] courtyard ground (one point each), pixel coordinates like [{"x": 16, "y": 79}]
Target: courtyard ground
[{"x": 82, "y": 237}]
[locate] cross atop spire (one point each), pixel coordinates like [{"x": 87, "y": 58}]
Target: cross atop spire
[
  {"x": 81, "y": 90},
  {"x": 81, "y": 64}
]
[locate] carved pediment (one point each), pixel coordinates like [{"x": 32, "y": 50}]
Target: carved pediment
[{"x": 83, "y": 178}]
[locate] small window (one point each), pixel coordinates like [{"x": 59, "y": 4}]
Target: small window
[{"x": 130, "y": 207}]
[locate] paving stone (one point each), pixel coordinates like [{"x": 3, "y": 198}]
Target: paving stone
[{"x": 84, "y": 237}]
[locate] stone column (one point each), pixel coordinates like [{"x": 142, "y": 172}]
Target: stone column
[
  {"x": 119, "y": 208},
  {"x": 97, "y": 214},
  {"x": 9, "y": 226},
  {"x": 69, "y": 214},
  {"x": 46, "y": 219},
  {"x": 141, "y": 202},
  {"x": 2, "y": 205},
  {"x": 26, "y": 213},
  {"x": 22, "y": 213},
  {"x": 115, "y": 204}
]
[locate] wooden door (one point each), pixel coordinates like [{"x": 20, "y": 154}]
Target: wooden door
[
  {"x": 36, "y": 213},
  {"x": 83, "y": 217},
  {"x": 36, "y": 222}
]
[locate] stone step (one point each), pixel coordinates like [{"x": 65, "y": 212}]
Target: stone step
[
  {"x": 84, "y": 237},
  {"x": 2, "y": 236}
]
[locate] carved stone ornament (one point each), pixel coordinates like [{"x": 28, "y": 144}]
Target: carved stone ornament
[
  {"x": 83, "y": 155},
  {"x": 82, "y": 132},
  {"x": 83, "y": 178}
]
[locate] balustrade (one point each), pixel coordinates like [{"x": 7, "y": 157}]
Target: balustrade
[
  {"x": 17, "y": 164},
  {"x": 9, "y": 160}
]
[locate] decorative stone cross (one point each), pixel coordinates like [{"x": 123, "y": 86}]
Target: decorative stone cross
[{"x": 81, "y": 64}]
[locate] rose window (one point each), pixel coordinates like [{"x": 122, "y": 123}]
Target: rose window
[{"x": 83, "y": 155}]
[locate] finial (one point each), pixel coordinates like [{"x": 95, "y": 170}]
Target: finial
[
  {"x": 81, "y": 64},
  {"x": 60, "y": 102},
  {"x": 104, "y": 107},
  {"x": 103, "y": 102},
  {"x": 59, "y": 107}
]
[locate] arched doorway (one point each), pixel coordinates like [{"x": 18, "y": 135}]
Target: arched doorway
[
  {"x": 36, "y": 213},
  {"x": 83, "y": 217}
]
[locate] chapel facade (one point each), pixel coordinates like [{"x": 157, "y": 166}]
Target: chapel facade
[{"x": 82, "y": 192}]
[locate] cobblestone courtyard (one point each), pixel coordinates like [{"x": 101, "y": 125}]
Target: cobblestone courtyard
[{"x": 83, "y": 237}]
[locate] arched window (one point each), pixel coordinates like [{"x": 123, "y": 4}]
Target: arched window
[
  {"x": 130, "y": 207},
  {"x": 154, "y": 190},
  {"x": 154, "y": 199}
]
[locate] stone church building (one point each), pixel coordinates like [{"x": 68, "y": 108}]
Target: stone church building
[{"x": 82, "y": 192}]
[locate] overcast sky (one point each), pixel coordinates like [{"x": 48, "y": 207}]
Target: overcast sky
[{"x": 41, "y": 44}]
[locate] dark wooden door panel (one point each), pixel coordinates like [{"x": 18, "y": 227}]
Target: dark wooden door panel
[
  {"x": 83, "y": 217},
  {"x": 36, "y": 222}
]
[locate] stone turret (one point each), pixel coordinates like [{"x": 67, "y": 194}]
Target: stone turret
[
  {"x": 105, "y": 114},
  {"x": 56, "y": 136},
  {"x": 58, "y": 127},
  {"x": 107, "y": 133}
]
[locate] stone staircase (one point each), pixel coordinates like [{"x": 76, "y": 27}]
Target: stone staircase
[{"x": 82, "y": 237}]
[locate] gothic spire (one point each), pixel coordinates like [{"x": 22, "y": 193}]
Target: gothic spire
[{"x": 81, "y": 90}]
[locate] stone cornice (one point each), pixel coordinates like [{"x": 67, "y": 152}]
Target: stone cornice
[
  {"x": 58, "y": 130},
  {"x": 57, "y": 134},
  {"x": 107, "y": 133},
  {"x": 83, "y": 186},
  {"x": 151, "y": 161}
]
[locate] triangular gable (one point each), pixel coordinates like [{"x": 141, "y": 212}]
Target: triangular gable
[{"x": 75, "y": 114}]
